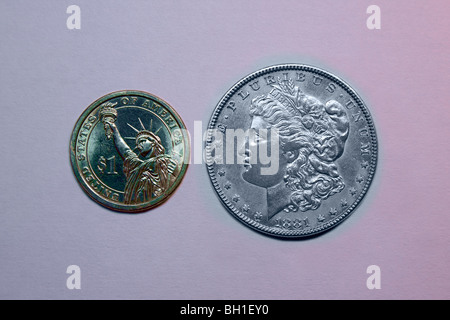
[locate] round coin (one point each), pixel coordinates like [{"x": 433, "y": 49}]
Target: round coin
[
  {"x": 291, "y": 150},
  {"x": 129, "y": 151}
]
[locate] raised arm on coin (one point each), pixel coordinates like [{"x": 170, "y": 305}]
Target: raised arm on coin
[{"x": 121, "y": 146}]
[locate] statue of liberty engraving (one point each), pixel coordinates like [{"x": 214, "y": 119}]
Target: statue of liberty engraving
[{"x": 150, "y": 171}]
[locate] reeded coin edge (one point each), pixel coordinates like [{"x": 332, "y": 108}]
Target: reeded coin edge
[
  {"x": 278, "y": 232},
  {"x": 120, "y": 207}
]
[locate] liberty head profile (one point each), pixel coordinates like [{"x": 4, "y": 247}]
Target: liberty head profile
[
  {"x": 149, "y": 172},
  {"x": 312, "y": 136}
]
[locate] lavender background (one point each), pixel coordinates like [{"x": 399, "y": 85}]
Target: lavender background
[{"x": 190, "y": 53}]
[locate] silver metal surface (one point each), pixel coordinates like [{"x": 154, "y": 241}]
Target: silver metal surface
[{"x": 291, "y": 150}]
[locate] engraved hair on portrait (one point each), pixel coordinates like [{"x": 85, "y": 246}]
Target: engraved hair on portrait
[{"x": 312, "y": 136}]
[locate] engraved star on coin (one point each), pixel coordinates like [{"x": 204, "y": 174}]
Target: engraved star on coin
[
  {"x": 364, "y": 164},
  {"x": 245, "y": 208},
  {"x": 236, "y": 198},
  {"x": 333, "y": 211},
  {"x": 221, "y": 172},
  {"x": 352, "y": 191},
  {"x": 359, "y": 179},
  {"x": 344, "y": 203},
  {"x": 320, "y": 218},
  {"x": 178, "y": 154},
  {"x": 218, "y": 160},
  {"x": 227, "y": 185},
  {"x": 257, "y": 216}
]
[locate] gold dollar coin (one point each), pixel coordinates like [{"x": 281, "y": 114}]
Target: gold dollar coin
[{"x": 129, "y": 151}]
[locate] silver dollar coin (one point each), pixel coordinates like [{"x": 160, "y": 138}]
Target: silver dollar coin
[{"x": 291, "y": 150}]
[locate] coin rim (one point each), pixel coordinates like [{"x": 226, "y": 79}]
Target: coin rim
[
  {"x": 137, "y": 208},
  {"x": 279, "y": 232}
]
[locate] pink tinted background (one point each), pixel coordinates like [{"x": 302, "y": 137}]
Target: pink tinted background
[{"x": 190, "y": 53}]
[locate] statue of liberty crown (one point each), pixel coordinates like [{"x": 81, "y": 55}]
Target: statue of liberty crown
[{"x": 144, "y": 132}]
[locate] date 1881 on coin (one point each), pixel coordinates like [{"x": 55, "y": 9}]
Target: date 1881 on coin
[{"x": 129, "y": 151}]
